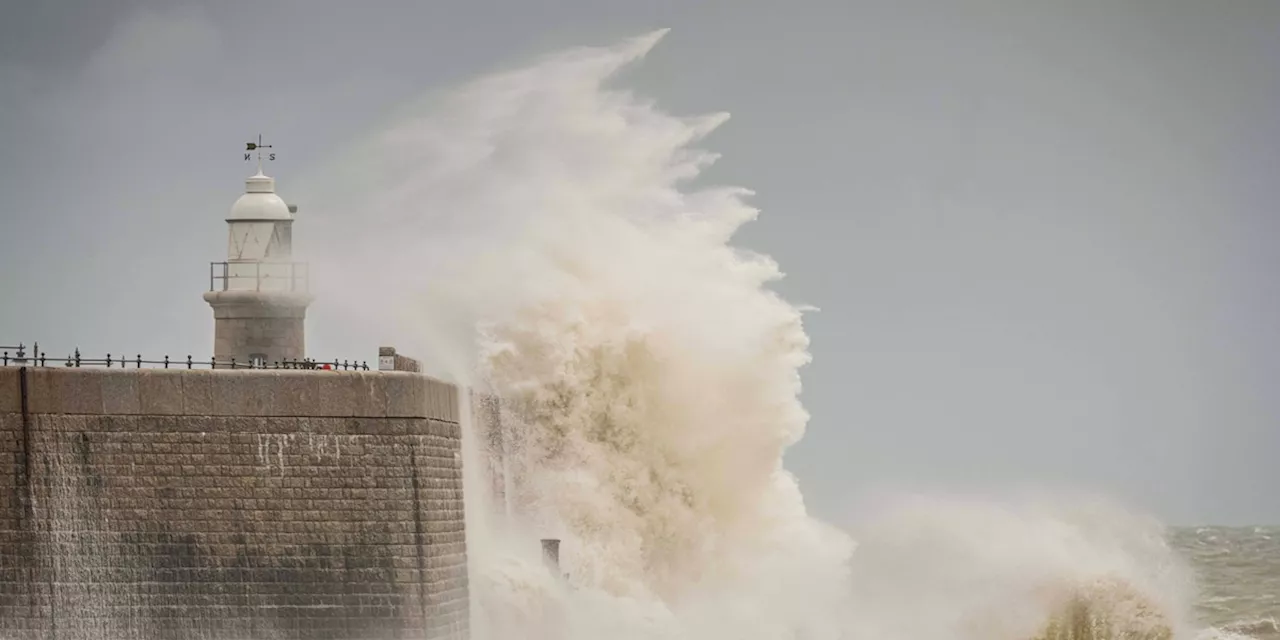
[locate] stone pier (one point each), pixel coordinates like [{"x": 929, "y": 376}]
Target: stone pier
[{"x": 176, "y": 504}]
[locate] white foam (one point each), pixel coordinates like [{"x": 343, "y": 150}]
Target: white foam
[{"x": 537, "y": 234}]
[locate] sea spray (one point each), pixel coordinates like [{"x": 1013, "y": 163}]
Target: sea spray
[
  {"x": 539, "y": 236},
  {"x": 960, "y": 566}
]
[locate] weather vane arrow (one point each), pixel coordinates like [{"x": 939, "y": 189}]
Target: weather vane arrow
[{"x": 250, "y": 147}]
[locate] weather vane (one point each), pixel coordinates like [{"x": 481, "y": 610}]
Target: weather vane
[{"x": 258, "y": 146}]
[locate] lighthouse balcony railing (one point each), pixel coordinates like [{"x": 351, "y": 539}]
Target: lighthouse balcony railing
[{"x": 259, "y": 276}]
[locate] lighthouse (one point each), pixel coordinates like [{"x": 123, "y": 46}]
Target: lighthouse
[{"x": 259, "y": 294}]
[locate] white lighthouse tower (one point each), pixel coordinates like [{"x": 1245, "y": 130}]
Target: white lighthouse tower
[{"x": 259, "y": 294}]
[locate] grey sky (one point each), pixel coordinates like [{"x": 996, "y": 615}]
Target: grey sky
[{"x": 1040, "y": 233}]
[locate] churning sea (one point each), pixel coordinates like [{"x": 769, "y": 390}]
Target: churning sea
[{"x": 1238, "y": 571}]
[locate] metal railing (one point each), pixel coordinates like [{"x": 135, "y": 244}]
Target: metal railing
[
  {"x": 280, "y": 276},
  {"x": 38, "y": 358}
]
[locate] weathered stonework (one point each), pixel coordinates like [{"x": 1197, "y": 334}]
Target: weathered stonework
[
  {"x": 156, "y": 504},
  {"x": 271, "y": 324}
]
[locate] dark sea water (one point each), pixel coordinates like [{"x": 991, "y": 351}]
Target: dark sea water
[{"x": 1238, "y": 570}]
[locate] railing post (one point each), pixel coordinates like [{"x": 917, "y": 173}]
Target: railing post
[
  {"x": 188, "y": 361},
  {"x": 108, "y": 361}
]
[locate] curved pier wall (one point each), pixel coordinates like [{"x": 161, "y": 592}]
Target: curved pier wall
[{"x": 151, "y": 504}]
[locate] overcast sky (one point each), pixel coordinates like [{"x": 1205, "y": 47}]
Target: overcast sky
[{"x": 1041, "y": 233}]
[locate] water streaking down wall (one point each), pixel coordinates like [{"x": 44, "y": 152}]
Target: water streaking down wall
[{"x": 156, "y": 504}]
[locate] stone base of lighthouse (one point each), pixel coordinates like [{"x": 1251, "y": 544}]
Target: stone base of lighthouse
[{"x": 258, "y": 327}]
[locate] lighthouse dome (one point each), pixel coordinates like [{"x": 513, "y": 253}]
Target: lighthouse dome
[{"x": 259, "y": 201}]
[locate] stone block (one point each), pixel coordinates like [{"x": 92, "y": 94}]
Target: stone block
[
  {"x": 454, "y": 411},
  {"x": 120, "y": 392},
  {"x": 197, "y": 392},
  {"x": 292, "y": 393},
  {"x": 41, "y": 392},
  {"x": 240, "y": 393},
  {"x": 326, "y": 426},
  {"x": 160, "y": 392},
  {"x": 10, "y": 390},
  {"x": 442, "y": 401},
  {"x": 406, "y": 395},
  {"x": 444, "y": 429},
  {"x": 437, "y": 400},
  {"x": 256, "y": 428},
  {"x": 337, "y": 395},
  {"x": 370, "y": 394},
  {"x": 62, "y": 390}
]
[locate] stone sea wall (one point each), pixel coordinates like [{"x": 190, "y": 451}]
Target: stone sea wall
[{"x": 155, "y": 504}]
